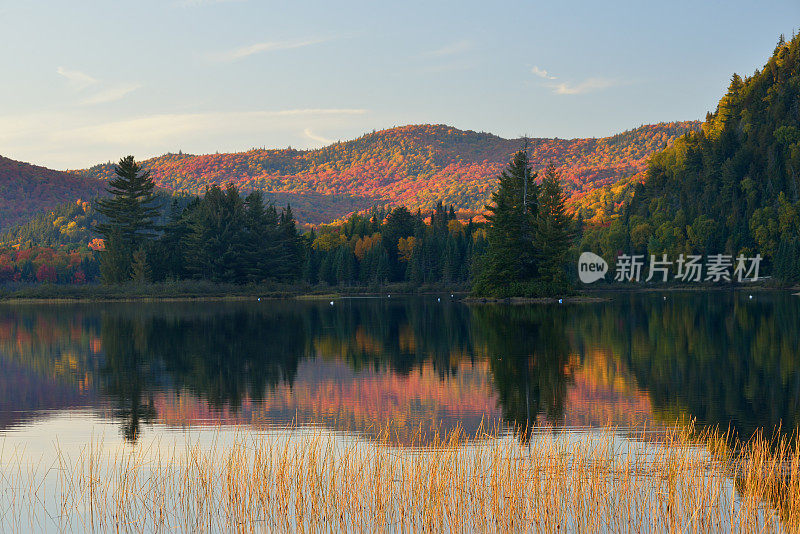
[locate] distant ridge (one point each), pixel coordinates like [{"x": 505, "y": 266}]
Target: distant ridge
[
  {"x": 416, "y": 166},
  {"x": 26, "y": 190}
]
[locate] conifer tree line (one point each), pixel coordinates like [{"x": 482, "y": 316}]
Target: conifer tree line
[
  {"x": 733, "y": 187},
  {"x": 225, "y": 237},
  {"x": 383, "y": 246},
  {"x": 221, "y": 237}
]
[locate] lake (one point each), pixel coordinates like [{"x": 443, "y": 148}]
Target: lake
[
  {"x": 730, "y": 359},
  {"x": 119, "y": 374}
]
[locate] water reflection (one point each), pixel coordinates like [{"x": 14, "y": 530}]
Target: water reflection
[{"x": 409, "y": 363}]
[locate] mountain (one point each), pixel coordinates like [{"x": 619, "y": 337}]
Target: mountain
[
  {"x": 417, "y": 166},
  {"x": 26, "y": 190},
  {"x": 732, "y": 186}
]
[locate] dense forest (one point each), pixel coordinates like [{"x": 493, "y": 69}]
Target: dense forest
[
  {"x": 414, "y": 166},
  {"x": 733, "y": 186},
  {"x": 225, "y": 237}
]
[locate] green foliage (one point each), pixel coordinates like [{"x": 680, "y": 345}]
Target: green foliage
[
  {"x": 732, "y": 187},
  {"x": 129, "y": 216},
  {"x": 140, "y": 269},
  {"x": 115, "y": 264},
  {"x": 528, "y": 235},
  {"x": 511, "y": 254},
  {"x": 225, "y": 238},
  {"x": 553, "y": 232}
]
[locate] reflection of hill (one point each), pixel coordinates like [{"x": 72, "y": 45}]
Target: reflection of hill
[
  {"x": 26, "y": 395},
  {"x": 406, "y": 362},
  {"x": 603, "y": 393},
  {"x": 330, "y": 393}
]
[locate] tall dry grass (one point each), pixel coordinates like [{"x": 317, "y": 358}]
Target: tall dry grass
[{"x": 315, "y": 481}]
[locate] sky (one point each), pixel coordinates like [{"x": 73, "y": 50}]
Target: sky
[{"x": 86, "y": 82}]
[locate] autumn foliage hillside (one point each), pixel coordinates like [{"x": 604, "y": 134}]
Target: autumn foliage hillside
[
  {"x": 416, "y": 166},
  {"x": 27, "y": 190}
]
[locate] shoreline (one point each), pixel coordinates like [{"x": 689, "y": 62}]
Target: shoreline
[{"x": 202, "y": 292}]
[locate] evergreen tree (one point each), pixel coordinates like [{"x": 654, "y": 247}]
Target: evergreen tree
[
  {"x": 553, "y": 232},
  {"x": 511, "y": 257},
  {"x": 264, "y": 249},
  {"x": 115, "y": 260},
  {"x": 216, "y": 241},
  {"x": 140, "y": 270},
  {"x": 130, "y": 216},
  {"x": 292, "y": 259}
]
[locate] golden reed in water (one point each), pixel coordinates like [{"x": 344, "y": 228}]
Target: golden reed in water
[{"x": 318, "y": 481}]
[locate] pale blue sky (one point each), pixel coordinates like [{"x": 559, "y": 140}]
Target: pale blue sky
[{"x": 89, "y": 81}]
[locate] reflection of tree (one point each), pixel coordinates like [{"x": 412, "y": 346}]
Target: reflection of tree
[
  {"x": 221, "y": 356},
  {"x": 528, "y": 354},
  {"x": 400, "y": 334},
  {"x": 721, "y": 357},
  {"x": 128, "y": 371}
]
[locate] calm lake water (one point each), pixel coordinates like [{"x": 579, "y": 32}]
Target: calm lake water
[{"x": 128, "y": 370}]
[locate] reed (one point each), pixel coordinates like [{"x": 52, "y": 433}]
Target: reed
[{"x": 305, "y": 480}]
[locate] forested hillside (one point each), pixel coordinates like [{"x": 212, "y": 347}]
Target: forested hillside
[
  {"x": 26, "y": 190},
  {"x": 416, "y": 166},
  {"x": 731, "y": 187}
]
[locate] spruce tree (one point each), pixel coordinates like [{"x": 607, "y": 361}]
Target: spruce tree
[
  {"x": 552, "y": 233},
  {"x": 130, "y": 218},
  {"x": 510, "y": 257},
  {"x": 292, "y": 258},
  {"x": 140, "y": 270},
  {"x": 115, "y": 260}
]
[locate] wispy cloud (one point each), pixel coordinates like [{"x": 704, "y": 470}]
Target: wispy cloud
[
  {"x": 586, "y": 86},
  {"x": 318, "y": 138},
  {"x": 154, "y": 127},
  {"x": 112, "y": 94},
  {"x": 80, "y": 81},
  {"x": 75, "y": 139},
  {"x": 450, "y": 49},
  {"x": 77, "y": 79},
  {"x": 541, "y": 73},
  {"x": 268, "y": 46}
]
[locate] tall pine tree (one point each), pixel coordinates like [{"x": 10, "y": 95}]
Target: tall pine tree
[{"x": 130, "y": 218}]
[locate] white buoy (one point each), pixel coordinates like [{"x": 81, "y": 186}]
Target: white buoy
[
  {"x": 560, "y": 301},
  {"x": 451, "y": 295},
  {"x": 331, "y": 303},
  {"x": 389, "y": 296},
  {"x": 259, "y": 299},
  {"x": 751, "y": 296},
  {"x": 665, "y": 298},
  {"x": 438, "y": 299}
]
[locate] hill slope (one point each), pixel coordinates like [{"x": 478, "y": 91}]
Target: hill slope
[
  {"x": 26, "y": 190},
  {"x": 734, "y": 185},
  {"x": 416, "y": 166}
]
